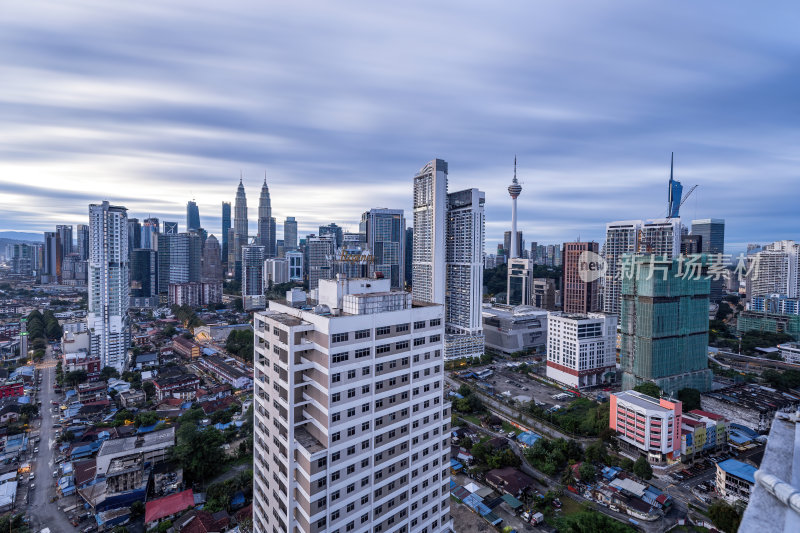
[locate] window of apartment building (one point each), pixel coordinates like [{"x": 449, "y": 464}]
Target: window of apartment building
[
  {"x": 351, "y": 450},
  {"x": 419, "y": 325},
  {"x": 351, "y": 393},
  {"x": 365, "y": 426},
  {"x": 340, "y": 337},
  {"x": 335, "y": 456},
  {"x": 416, "y": 358},
  {"x": 362, "y": 352},
  {"x": 435, "y": 338},
  {"x": 351, "y": 374},
  {"x": 392, "y": 382},
  {"x": 336, "y": 396},
  {"x": 336, "y": 436},
  {"x": 351, "y": 412},
  {"x": 351, "y": 469},
  {"x": 364, "y": 518},
  {"x": 400, "y": 328},
  {"x": 415, "y": 375},
  {"x": 393, "y": 364},
  {"x": 365, "y": 389},
  {"x": 321, "y": 523},
  {"x": 362, "y": 334},
  {"x": 436, "y": 322},
  {"x": 335, "y": 515},
  {"x": 364, "y": 408},
  {"x": 351, "y": 488},
  {"x": 351, "y": 431},
  {"x": 336, "y": 378},
  {"x": 365, "y": 371},
  {"x": 334, "y": 497},
  {"x": 335, "y": 417},
  {"x": 322, "y": 462},
  {"x": 383, "y": 348},
  {"x": 364, "y": 463},
  {"x": 383, "y": 330},
  {"x": 340, "y": 357},
  {"x": 364, "y": 483},
  {"x": 379, "y": 385},
  {"x": 364, "y": 499},
  {"x": 335, "y": 476},
  {"x": 379, "y": 367},
  {"x": 419, "y": 342},
  {"x": 365, "y": 445},
  {"x": 402, "y": 345},
  {"x": 404, "y": 395},
  {"x": 321, "y": 483}
]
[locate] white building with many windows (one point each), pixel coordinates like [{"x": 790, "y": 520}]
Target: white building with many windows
[
  {"x": 351, "y": 425},
  {"x": 581, "y": 349},
  {"x": 109, "y": 289}
]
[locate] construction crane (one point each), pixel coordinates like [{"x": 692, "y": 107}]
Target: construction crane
[{"x": 683, "y": 200}]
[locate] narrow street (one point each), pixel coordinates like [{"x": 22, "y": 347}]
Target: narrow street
[{"x": 43, "y": 513}]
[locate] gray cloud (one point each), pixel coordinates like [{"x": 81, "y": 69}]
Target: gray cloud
[{"x": 151, "y": 104}]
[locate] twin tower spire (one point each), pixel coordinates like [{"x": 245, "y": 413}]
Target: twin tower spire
[{"x": 266, "y": 222}]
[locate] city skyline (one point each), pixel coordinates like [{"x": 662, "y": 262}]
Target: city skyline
[{"x": 592, "y": 120}]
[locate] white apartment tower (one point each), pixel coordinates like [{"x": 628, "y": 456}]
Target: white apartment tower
[
  {"x": 661, "y": 237},
  {"x": 107, "y": 319},
  {"x": 464, "y": 274},
  {"x": 581, "y": 349},
  {"x": 351, "y": 425},
  {"x": 430, "y": 231},
  {"x": 776, "y": 270}
]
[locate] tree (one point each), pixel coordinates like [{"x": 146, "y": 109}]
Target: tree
[
  {"x": 149, "y": 389},
  {"x": 589, "y": 521},
  {"x": 690, "y": 399},
  {"x": 596, "y": 452},
  {"x": 724, "y": 516},
  {"x": 75, "y": 377},
  {"x": 587, "y": 472},
  {"x": 466, "y": 443},
  {"x": 567, "y": 478},
  {"x": 137, "y": 508},
  {"x": 146, "y": 418},
  {"x": 649, "y": 388},
  {"x": 642, "y": 469},
  {"x": 199, "y": 453},
  {"x": 108, "y": 372}
]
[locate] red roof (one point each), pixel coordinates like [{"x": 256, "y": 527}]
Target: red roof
[{"x": 168, "y": 505}]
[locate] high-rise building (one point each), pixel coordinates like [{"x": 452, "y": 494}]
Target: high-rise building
[
  {"x": 374, "y": 424},
  {"x": 519, "y": 284},
  {"x": 295, "y": 264},
  {"x": 543, "y": 294},
  {"x": 174, "y": 259},
  {"x": 659, "y": 237},
  {"x": 170, "y": 228},
  {"x": 212, "y": 265},
  {"x": 144, "y": 278},
  {"x": 581, "y": 348},
  {"x": 580, "y": 292},
  {"x": 83, "y": 241},
  {"x": 674, "y": 193},
  {"x": 192, "y": 216},
  {"x": 107, "y": 319},
  {"x": 253, "y": 270},
  {"x": 507, "y": 243},
  {"x": 226, "y": 225},
  {"x": 240, "y": 231},
  {"x": 464, "y": 274},
  {"x": 664, "y": 326},
  {"x": 409, "y": 253},
  {"x": 691, "y": 244},
  {"x": 65, "y": 236},
  {"x": 320, "y": 252},
  {"x": 334, "y": 230},
  {"x": 53, "y": 256},
  {"x": 448, "y": 256},
  {"x": 430, "y": 233},
  {"x": 290, "y": 233},
  {"x": 22, "y": 259},
  {"x": 514, "y": 191},
  {"x": 195, "y": 256},
  {"x": 266, "y": 223},
  {"x": 150, "y": 233},
  {"x": 775, "y": 270},
  {"x": 646, "y": 426},
  {"x": 276, "y": 272},
  {"x": 134, "y": 234},
  {"x": 385, "y": 238}
]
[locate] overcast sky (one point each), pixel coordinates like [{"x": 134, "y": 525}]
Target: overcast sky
[{"x": 151, "y": 104}]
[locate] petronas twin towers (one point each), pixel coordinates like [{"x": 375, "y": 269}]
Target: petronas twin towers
[{"x": 239, "y": 233}]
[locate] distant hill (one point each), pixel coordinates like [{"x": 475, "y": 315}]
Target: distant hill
[{"x": 22, "y": 236}]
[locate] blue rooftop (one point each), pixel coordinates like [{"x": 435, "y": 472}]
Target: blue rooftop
[
  {"x": 528, "y": 438},
  {"x": 739, "y": 469}
]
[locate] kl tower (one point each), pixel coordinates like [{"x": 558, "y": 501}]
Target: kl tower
[{"x": 514, "y": 190}]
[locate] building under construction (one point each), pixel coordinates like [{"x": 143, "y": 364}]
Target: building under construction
[{"x": 664, "y": 325}]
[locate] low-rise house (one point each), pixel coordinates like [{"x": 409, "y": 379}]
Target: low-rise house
[
  {"x": 167, "y": 507},
  {"x": 82, "y": 361},
  {"x": 227, "y": 371},
  {"x": 186, "y": 348},
  {"x": 735, "y": 480},
  {"x": 509, "y": 480},
  {"x": 132, "y": 398},
  {"x": 176, "y": 383}
]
